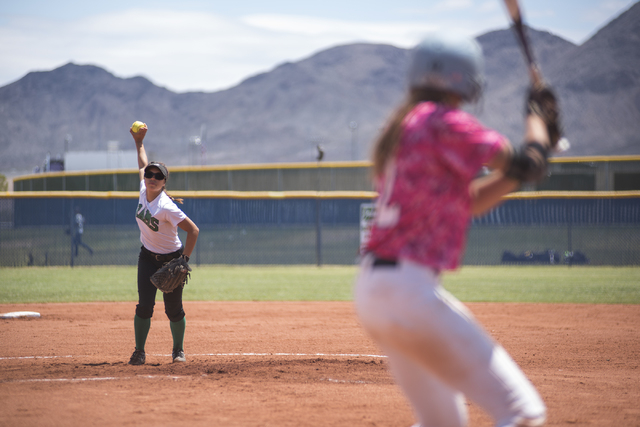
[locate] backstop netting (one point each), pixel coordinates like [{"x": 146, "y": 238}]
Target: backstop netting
[{"x": 313, "y": 228}]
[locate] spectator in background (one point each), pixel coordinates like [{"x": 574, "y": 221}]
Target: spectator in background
[{"x": 78, "y": 231}]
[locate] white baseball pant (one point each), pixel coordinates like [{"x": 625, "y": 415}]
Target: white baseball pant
[{"x": 437, "y": 352}]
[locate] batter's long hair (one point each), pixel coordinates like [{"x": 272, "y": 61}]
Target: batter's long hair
[{"x": 387, "y": 143}]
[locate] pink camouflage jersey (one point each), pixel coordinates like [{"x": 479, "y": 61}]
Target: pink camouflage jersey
[{"x": 423, "y": 208}]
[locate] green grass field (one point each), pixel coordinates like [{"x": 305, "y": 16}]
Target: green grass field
[{"x": 540, "y": 284}]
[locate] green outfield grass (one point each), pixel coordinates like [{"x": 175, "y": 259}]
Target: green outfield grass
[{"x": 543, "y": 284}]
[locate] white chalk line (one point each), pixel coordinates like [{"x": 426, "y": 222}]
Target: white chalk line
[
  {"x": 37, "y": 357},
  {"x": 169, "y": 377},
  {"x": 215, "y": 355},
  {"x": 331, "y": 380},
  {"x": 76, "y": 380},
  {"x": 293, "y": 354}
]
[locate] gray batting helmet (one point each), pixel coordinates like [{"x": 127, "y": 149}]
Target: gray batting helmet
[{"x": 449, "y": 63}]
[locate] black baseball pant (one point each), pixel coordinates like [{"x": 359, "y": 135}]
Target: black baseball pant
[{"x": 149, "y": 263}]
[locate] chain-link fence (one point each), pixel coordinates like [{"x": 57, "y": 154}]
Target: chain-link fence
[
  {"x": 312, "y": 228},
  {"x": 300, "y": 228}
]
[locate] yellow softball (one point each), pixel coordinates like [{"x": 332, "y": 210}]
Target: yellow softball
[{"x": 135, "y": 127}]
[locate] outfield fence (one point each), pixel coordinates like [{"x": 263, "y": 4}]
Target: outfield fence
[
  {"x": 36, "y": 228},
  {"x": 592, "y": 173}
]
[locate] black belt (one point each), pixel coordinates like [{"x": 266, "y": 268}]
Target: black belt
[
  {"x": 163, "y": 257},
  {"x": 381, "y": 262}
]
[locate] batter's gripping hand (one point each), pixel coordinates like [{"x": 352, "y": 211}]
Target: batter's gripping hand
[
  {"x": 542, "y": 102},
  {"x": 171, "y": 275}
]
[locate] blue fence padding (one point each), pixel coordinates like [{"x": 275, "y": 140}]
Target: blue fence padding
[
  {"x": 58, "y": 211},
  {"x": 600, "y": 211},
  {"x": 272, "y": 211},
  {"x": 228, "y": 211}
]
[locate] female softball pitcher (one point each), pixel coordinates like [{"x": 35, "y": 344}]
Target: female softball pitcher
[
  {"x": 425, "y": 166},
  {"x": 158, "y": 218}
]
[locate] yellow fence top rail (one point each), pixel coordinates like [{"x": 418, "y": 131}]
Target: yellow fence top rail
[
  {"x": 299, "y": 194},
  {"x": 193, "y": 194}
]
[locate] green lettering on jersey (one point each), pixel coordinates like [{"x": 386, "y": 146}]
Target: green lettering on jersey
[{"x": 145, "y": 216}]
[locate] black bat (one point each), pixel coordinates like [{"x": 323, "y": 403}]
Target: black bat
[
  {"x": 516, "y": 17},
  {"x": 534, "y": 71}
]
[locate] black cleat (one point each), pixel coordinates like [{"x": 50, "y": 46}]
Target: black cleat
[
  {"x": 137, "y": 358},
  {"x": 178, "y": 356}
]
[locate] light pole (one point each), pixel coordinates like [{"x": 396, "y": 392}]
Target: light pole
[
  {"x": 203, "y": 144},
  {"x": 319, "y": 157},
  {"x": 67, "y": 142},
  {"x": 353, "y": 127},
  {"x": 195, "y": 150}
]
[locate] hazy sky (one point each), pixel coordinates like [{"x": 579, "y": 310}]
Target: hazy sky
[{"x": 208, "y": 45}]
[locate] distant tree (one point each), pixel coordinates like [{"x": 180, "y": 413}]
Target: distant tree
[{"x": 4, "y": 184}]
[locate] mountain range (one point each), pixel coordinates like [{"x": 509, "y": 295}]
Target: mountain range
[{"x": 338, "y": 98}]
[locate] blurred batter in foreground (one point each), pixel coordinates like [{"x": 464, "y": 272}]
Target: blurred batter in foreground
[{"x": 426, "y": 164}]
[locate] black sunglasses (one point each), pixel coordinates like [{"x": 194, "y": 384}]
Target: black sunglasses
[{"x": 157, "y": 175}]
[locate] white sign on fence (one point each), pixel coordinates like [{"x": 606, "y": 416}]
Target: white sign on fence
[{"x": 367, "y": 212}]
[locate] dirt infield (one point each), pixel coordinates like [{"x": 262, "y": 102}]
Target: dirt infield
[{"x": 292, "y": 364}]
